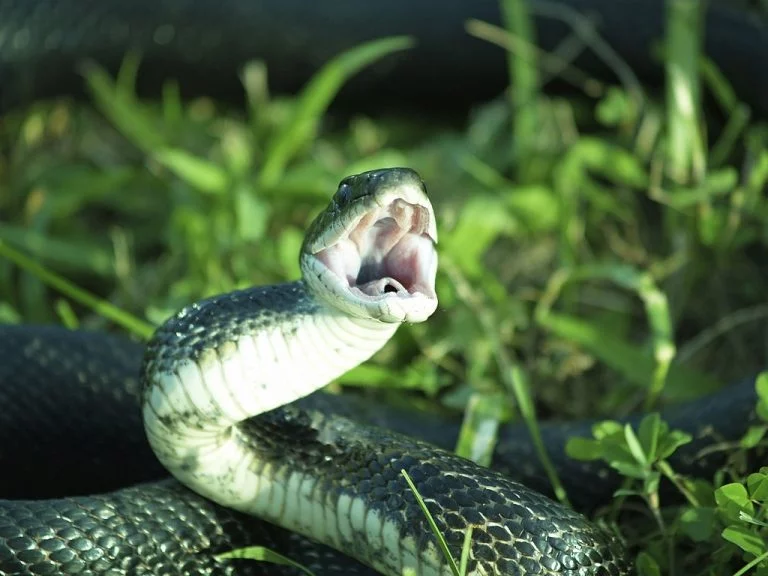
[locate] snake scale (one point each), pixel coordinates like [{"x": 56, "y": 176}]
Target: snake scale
[
  {"x": 204, "y": 43},
  {"x": 158, "y": 527}
]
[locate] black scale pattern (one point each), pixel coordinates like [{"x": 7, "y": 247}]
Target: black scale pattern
[
  {"x": 69, "y": 432},
  {"x": 514, "y": 528},
  {"x": 204, "y": 44},
  {"x": 98, "y": 445}
]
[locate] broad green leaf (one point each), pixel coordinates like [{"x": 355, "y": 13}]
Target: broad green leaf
[
  {"x": 646, "y": 565},
  {"x": 671, "y": 442},
  {"x": 745, "y": 538},
  {"x": 633, "y": 444},
  {"x": 732, "y": 499},
  {"x": 753, "y": 436},
  {"x": 615, "y": 107},
  {"x": 368, "y": 374},
  {"x": 607, "y": 428},
  {"x": 617, "y": 453},
  {"x": 651, "y": 428},
  {"x": 762, "y": 411},
  {"x": 481, "y": 221},
  {"x": 536, "y": 207},
  {"x": 761, "y": 386},
  {"x": 757, "y": 484},
  {"x": 703, "y": 491},
  {"x": 698, "y": 523},
  {"x": 629, "y": 469},
  {"x": 611, "y": 161},
  {"x": 8, "y": 315},
  {"x": 583, "y": 449}
]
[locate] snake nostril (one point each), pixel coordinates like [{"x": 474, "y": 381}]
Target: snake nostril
[{"x": 389, "y": 288}]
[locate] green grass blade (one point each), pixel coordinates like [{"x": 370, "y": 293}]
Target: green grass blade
[
  {"x": 685, "y": 151},
  {"x": 442, "y": 544},
  {"x": 200, "y": 173},
  {"x": 751, "y": 564},
  {"x": 479, "y": 430},
  {"x": 523, "y": 77},
  {"x": 512, "y": 375},
  {"x": 102, "y": 307},
  {"x": 316, "y": 98},
  {"x": 633, "y": 363},
  {"x": 261, "y": 554},
  {"x": 654, "y": 301},
  {"x": 117, "y": 101},
  {"x": 80, "y": 256},
  {"x": 516, "y": 379},
  {"x": 465, "y": 550}
]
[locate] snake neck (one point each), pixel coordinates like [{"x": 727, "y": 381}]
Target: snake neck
[{"x": 224, "y": 360}]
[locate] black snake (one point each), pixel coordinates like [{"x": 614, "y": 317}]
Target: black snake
[{"x": 161, "y": 528}]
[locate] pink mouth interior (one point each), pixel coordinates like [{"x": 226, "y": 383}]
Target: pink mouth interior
[{"x": 388, "y": 252}]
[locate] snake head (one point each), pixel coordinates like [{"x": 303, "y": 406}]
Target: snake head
[{"x": 372, "y": 252}]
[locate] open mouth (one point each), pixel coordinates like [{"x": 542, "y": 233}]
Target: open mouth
[{"x": 389, "y": 251}]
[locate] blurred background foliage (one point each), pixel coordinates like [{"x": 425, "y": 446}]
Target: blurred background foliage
[{"x": 602, "y": 251}]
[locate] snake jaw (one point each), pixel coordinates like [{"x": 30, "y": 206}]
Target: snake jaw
[
  {"x": 385, "y": 266},
  {"x": 380, "y": 261}
]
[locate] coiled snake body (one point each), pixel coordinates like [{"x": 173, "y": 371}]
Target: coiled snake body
[{"x": 368, "y": 264}]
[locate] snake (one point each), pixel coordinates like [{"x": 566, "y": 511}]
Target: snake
[
  {"x": 217, "y": 387},
  {"x": 324, "y": 466},
  {"x": 204, "y": 44}
]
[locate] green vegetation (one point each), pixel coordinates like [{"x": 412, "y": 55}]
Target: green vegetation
[{"x": 600, "y": 253}]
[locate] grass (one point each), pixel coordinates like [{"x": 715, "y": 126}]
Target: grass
[
  {"x": 459, "y": 569},
  {"x": 607, "y": 247}
]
